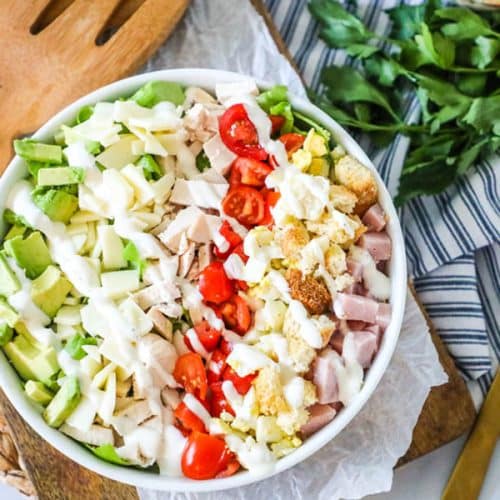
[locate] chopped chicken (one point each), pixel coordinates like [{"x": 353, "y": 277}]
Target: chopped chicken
[{"x": 162, "y": 324}]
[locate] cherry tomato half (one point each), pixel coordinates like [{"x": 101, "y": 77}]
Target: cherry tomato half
[
  {"x": 239, "y": 134},
  {"x": 204, "y": 456},
  {"x": 187, "y": 419},
  {"x": 277, "y": 121},
  {"x": 231, "y": 236},
  {"x": 241, "y": 384},
  {"x": 213, "y": 283},
  {"x": 236, "y": 314},
  {"x": 190, "y": 372},
  {"x": 250, "y": 172},
  {"x": 218, "y": 401},
  {"x": 292, "y": 142},
  {"x": 245, "y": 204},
  {"x": 216, "y": 365},
  {"x": 208, "y": 336},
  {"x": 271, "y": 198}
]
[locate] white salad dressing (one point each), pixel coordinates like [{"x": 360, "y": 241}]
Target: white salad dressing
[
  {"x": 294, "y": 392},
  {"x": 197, "y": 408},
  {"x": 376, "y": 282},
  {"x": 309, "y": 331}
]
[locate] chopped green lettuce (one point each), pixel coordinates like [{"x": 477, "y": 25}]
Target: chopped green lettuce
[
  {"x": 108, "y": 453},
  {"x": 154, "y": 92},
  {"x": 202, "y": 161},
  {"x": 75, "y": 344},
  {"x": 133, "y": 257},
  {"x": 152, "y": 171}
]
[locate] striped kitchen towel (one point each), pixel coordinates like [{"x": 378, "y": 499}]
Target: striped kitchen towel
[{"x": 452, "y": 240}]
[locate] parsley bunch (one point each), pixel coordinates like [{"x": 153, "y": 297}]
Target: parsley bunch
[{"x": 448, "y": 56}]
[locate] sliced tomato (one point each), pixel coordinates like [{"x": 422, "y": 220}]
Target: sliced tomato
[
  {"x": 236, "y": 314},
  {"x": 231, "y": 236},
  {"x": 241, "y": 384},
  {"x": 277, "y": 121},
  {"x": 225, "y": 346},
  {"x": 216, "y": 365},
  {"x": 209, "y": 336},
  {"x": 190, "y": 372},
  {"x": 218, "y": 401},
  {"x": 292, "y": 142},
  {"x": 214, "y": 285},
  {"x": 271, "y": 198},
  {"x": 232, "y": 467},
  {"x": 250, "y": 172},
  {"x": 240, "y": 252},
  {"x": 245, "y": 204},
  {"x": 239, "y": 134},
  {"x": 187, "y": 419},
  {"x": 204, "y": 456}
]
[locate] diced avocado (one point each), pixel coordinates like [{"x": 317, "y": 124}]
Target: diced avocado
[
  {"x": 319, "y": 166},
  {"x": 154, "y": 92},
  {"x": 60, "y": 176},
  {"x": 38, "y": 392},
  {"x": 30, "y": 361},
  {"x": 57, "y": 204},
  {"x": 9, "y": 284},
  {"x": 49, "y": 290},
  {"x": 36, "y": 151},
  {"x": 6, "y": 333},
  {"x": 21, "y": 329},
  {"x": 64, "y": 402},
  {"x": 31, "y": 253},
  {"x": 15, "y": 231},
  {"x": 7, "y": 314}
]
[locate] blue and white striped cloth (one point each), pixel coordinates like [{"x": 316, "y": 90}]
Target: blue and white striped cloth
[{"x": 452, "y": 239}]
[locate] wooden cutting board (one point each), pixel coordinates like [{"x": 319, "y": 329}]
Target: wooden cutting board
[{"x": 448, "y": 412}]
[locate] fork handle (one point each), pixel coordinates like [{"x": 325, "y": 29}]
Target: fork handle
[{"x": 470, "y": 470}]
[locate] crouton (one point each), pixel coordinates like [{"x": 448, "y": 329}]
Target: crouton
[
  {"x": 311, "y": 291},
  {"x": 358, "y": 178},
  {"x": 325, "y": 326},
  {"x": 292, "y": 238},
  {"x": 342, "y": 198},
  {"x": 269, "y": 391},
  {"x": 335, "y": 260},
  {"x": 300, "y": 352}
]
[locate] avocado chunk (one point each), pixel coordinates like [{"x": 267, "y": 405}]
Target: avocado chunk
[
  {"x": 59, "y": 176},
  {"x": 31, "y": 253},
  {"x": 7, "y": 314},
  {"x": 15, "y": 231},
  {"x": 38, "y": 392},
  {"x": 32, "y": 362},
  {"x": 58, "y": 205},
  {"x": 49, "y": 290},
  {"x": 37, "y": 151},
  {"x": 64, "y": 402},
  {"x": 6, "y": 333},
  {"x": 154, "y": 92},
  {"x": 9, "y": 284}
]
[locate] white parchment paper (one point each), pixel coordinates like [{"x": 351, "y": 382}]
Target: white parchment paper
[{"x": 230, "y": 35}]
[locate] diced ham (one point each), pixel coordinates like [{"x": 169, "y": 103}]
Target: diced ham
[
  {"x": 324, "y": 377},
  {"x": 383, "y": 317},
  {"x": 365, "y": 346},
  {"x": 319, "y": 416},
  {"x": 355, "y": 269},
  {"x": 374, "y": 218},
  {"x": 356, "y": 307},
  {"x": 356, "y": 325},
  {"x": 378, "y": 244},
  {"x": 375, "y": 329},
  {"x": 337, "y": 341}
]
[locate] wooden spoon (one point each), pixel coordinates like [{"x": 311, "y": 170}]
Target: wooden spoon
[{"x": 43, "y": 72}]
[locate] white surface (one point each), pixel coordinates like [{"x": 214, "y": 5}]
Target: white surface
[{"x": 424, "y": 478}]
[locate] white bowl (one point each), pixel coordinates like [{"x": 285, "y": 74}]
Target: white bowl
[{"x": 11, "y": 383}]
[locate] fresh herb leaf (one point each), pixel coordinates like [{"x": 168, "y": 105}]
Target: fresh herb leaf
[
  {"x": 484, "y": 114},
  {"x": 132, "y": 256},
  {"x": 406, "y": 20},
  {"x": 383, "y": 70},
  {"x": 202, "y": 161},
  {"x": 467, "y": 26},
  {"x": 435, "y": 48},
  {"x": 484, "y": 52},
  {"x": 472, "y": 84},
  {"x": 340, "y": 28},
  {"x": 361, "y": 50},
  {"x": 345, "y": 84}
]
